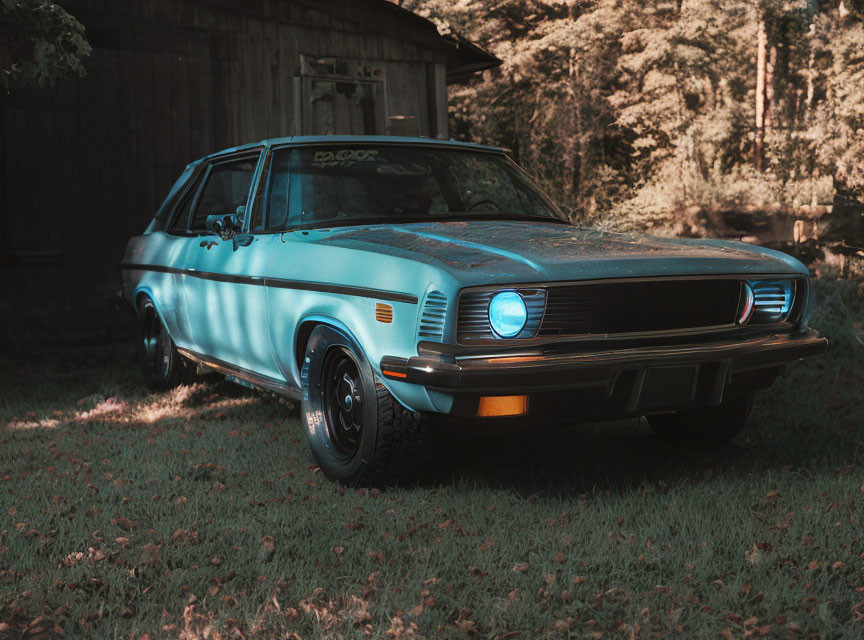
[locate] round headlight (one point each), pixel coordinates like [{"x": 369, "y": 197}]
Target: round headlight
[{"x": 507, "y": 314}]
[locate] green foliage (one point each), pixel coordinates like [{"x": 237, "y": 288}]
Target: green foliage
[
  {"x": 39, "y": 43},
  {"x": 198, "y": 513},
  {"x": 621, "y": 105}
]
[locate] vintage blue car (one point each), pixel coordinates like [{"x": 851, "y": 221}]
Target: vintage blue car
[{"x": 396, "y": 284}]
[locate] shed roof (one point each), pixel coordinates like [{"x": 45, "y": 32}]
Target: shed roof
[{"x": 464, "y": 58}]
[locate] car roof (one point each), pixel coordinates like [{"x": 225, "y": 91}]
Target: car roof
[{"x": 309, "y": 140}]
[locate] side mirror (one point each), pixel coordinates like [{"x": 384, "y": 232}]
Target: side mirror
[{"x": 224, "y": 225}]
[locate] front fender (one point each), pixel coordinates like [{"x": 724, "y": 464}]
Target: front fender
[{"x": 362, "y": 338}]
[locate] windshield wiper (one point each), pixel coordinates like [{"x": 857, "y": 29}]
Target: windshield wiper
[
  {"x": 501, "y": 215},
  {"x": 460, "y": 216}
]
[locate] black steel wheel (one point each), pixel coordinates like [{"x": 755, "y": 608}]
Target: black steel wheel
[
  {"x": 163, "y": 367},
  {"x": 706, "y": 426},
  {"x": 343, "y": 401},
  {"x": 358, "y": 432}
]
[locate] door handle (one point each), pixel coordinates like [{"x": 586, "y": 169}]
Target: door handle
[{"x": 208, "y": 243}]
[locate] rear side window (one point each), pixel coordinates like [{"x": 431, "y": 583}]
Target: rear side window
[
  {"x": 184, "y": 207},
  {"x": 227, "y": 188}
]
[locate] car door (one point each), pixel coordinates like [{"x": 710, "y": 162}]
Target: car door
[{"x": 226, "y": 300}]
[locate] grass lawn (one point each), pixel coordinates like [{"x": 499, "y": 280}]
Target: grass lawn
[{"x": 200, "y": 514}]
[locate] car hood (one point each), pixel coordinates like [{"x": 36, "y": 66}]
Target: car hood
[{"x": 495, "y": 251}]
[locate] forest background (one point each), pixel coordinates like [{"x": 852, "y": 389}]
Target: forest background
[{"x": 671, "y": 115}]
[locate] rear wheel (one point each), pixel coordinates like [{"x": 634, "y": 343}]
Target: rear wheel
[
  {"x": 358, "y": 433},
  {"x": 163, "y": 367},
  {"x": 707, "y": 426}
]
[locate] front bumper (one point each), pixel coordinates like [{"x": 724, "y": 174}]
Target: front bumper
[{"x": 716, "y": 367}]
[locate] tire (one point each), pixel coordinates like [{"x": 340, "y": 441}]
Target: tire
[
  {"x": 163, "y": 367},
  {"x": 358, "y": 432},
  {"x": 710, "y": 426}
]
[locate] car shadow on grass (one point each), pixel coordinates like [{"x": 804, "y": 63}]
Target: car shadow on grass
[{"x": 611, "y": 456}]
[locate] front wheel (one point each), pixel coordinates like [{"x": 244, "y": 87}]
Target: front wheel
[
  {"x": 707, "y": 426},
  {"x": 358, "y": 432}
]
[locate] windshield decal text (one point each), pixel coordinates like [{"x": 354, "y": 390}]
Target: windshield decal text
[{"x": 343, "y": 157}]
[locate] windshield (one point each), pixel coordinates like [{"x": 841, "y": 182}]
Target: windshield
[{"x": 356, "y": 184}]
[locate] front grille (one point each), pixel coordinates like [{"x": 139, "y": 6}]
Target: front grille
[
  {"x": 628, "y": 307},
  {"x": 600, "y": 308}
]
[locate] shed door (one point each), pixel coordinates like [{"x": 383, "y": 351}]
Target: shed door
[{"x": 348, "y": 107}]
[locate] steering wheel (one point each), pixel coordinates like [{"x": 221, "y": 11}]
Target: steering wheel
[{"x": 479, "y": 203}]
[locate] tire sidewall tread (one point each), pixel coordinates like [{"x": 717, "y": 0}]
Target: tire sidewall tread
[{"x": 392, "y": 436}]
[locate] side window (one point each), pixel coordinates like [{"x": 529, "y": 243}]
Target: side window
[
  {"x": 278, "y": 189},
  {"x": 257, "y": 219},
  {"x": 227, "y": 188},
  {"x": 181, "y": 211}
]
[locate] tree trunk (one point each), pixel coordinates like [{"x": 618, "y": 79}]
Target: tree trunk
[
  {"x": 770, "y": 106},
  {"x": 761, "y": 44}
]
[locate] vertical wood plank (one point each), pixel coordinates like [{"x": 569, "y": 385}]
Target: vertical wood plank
[
  {"x": 93, "y": 141},
  {"x": 259, "y": 94},
  {"x": 144, "y": 133},
  {"x": 199, "y": 95},
  {"x": 237, "y": 90},
  {"x": 6, "y": 125},
  {"x": 270, "y": 66},
  {"x": 286, "y": 72},
  {"x": 180, "y": 111},
  {"x": 130, "y": 210},
  {"x": 441, "y": 115},
  {"x": 162, "y": 118},
  {"x": 221, "y": 98}
]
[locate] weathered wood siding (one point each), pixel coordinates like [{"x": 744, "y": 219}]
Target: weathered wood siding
[{"x": 85, "y": 164}]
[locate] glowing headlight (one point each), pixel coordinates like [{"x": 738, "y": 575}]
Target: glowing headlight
[{"x": 507, "y": 314}]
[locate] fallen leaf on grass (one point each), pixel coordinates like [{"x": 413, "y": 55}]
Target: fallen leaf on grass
[
  {"x": 398, "y": 629},
  {"x": 771, "y": 497},
  {"x": 359, "y": 610},
  {"x": 266, "y": 548},
  {"x": 753, "y": 555},
  {"x": 466, "y": 627},
  {"x": 521, "y": 567}
]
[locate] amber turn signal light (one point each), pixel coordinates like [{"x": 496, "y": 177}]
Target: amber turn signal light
[
  {"x": 383, "y": 313},
  {"x": 497, "y": 406}
]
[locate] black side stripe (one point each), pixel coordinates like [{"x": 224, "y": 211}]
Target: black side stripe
[{"x": 278, "y": 283}]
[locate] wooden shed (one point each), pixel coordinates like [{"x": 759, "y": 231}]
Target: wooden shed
[{"x": 85, "y": 163}]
